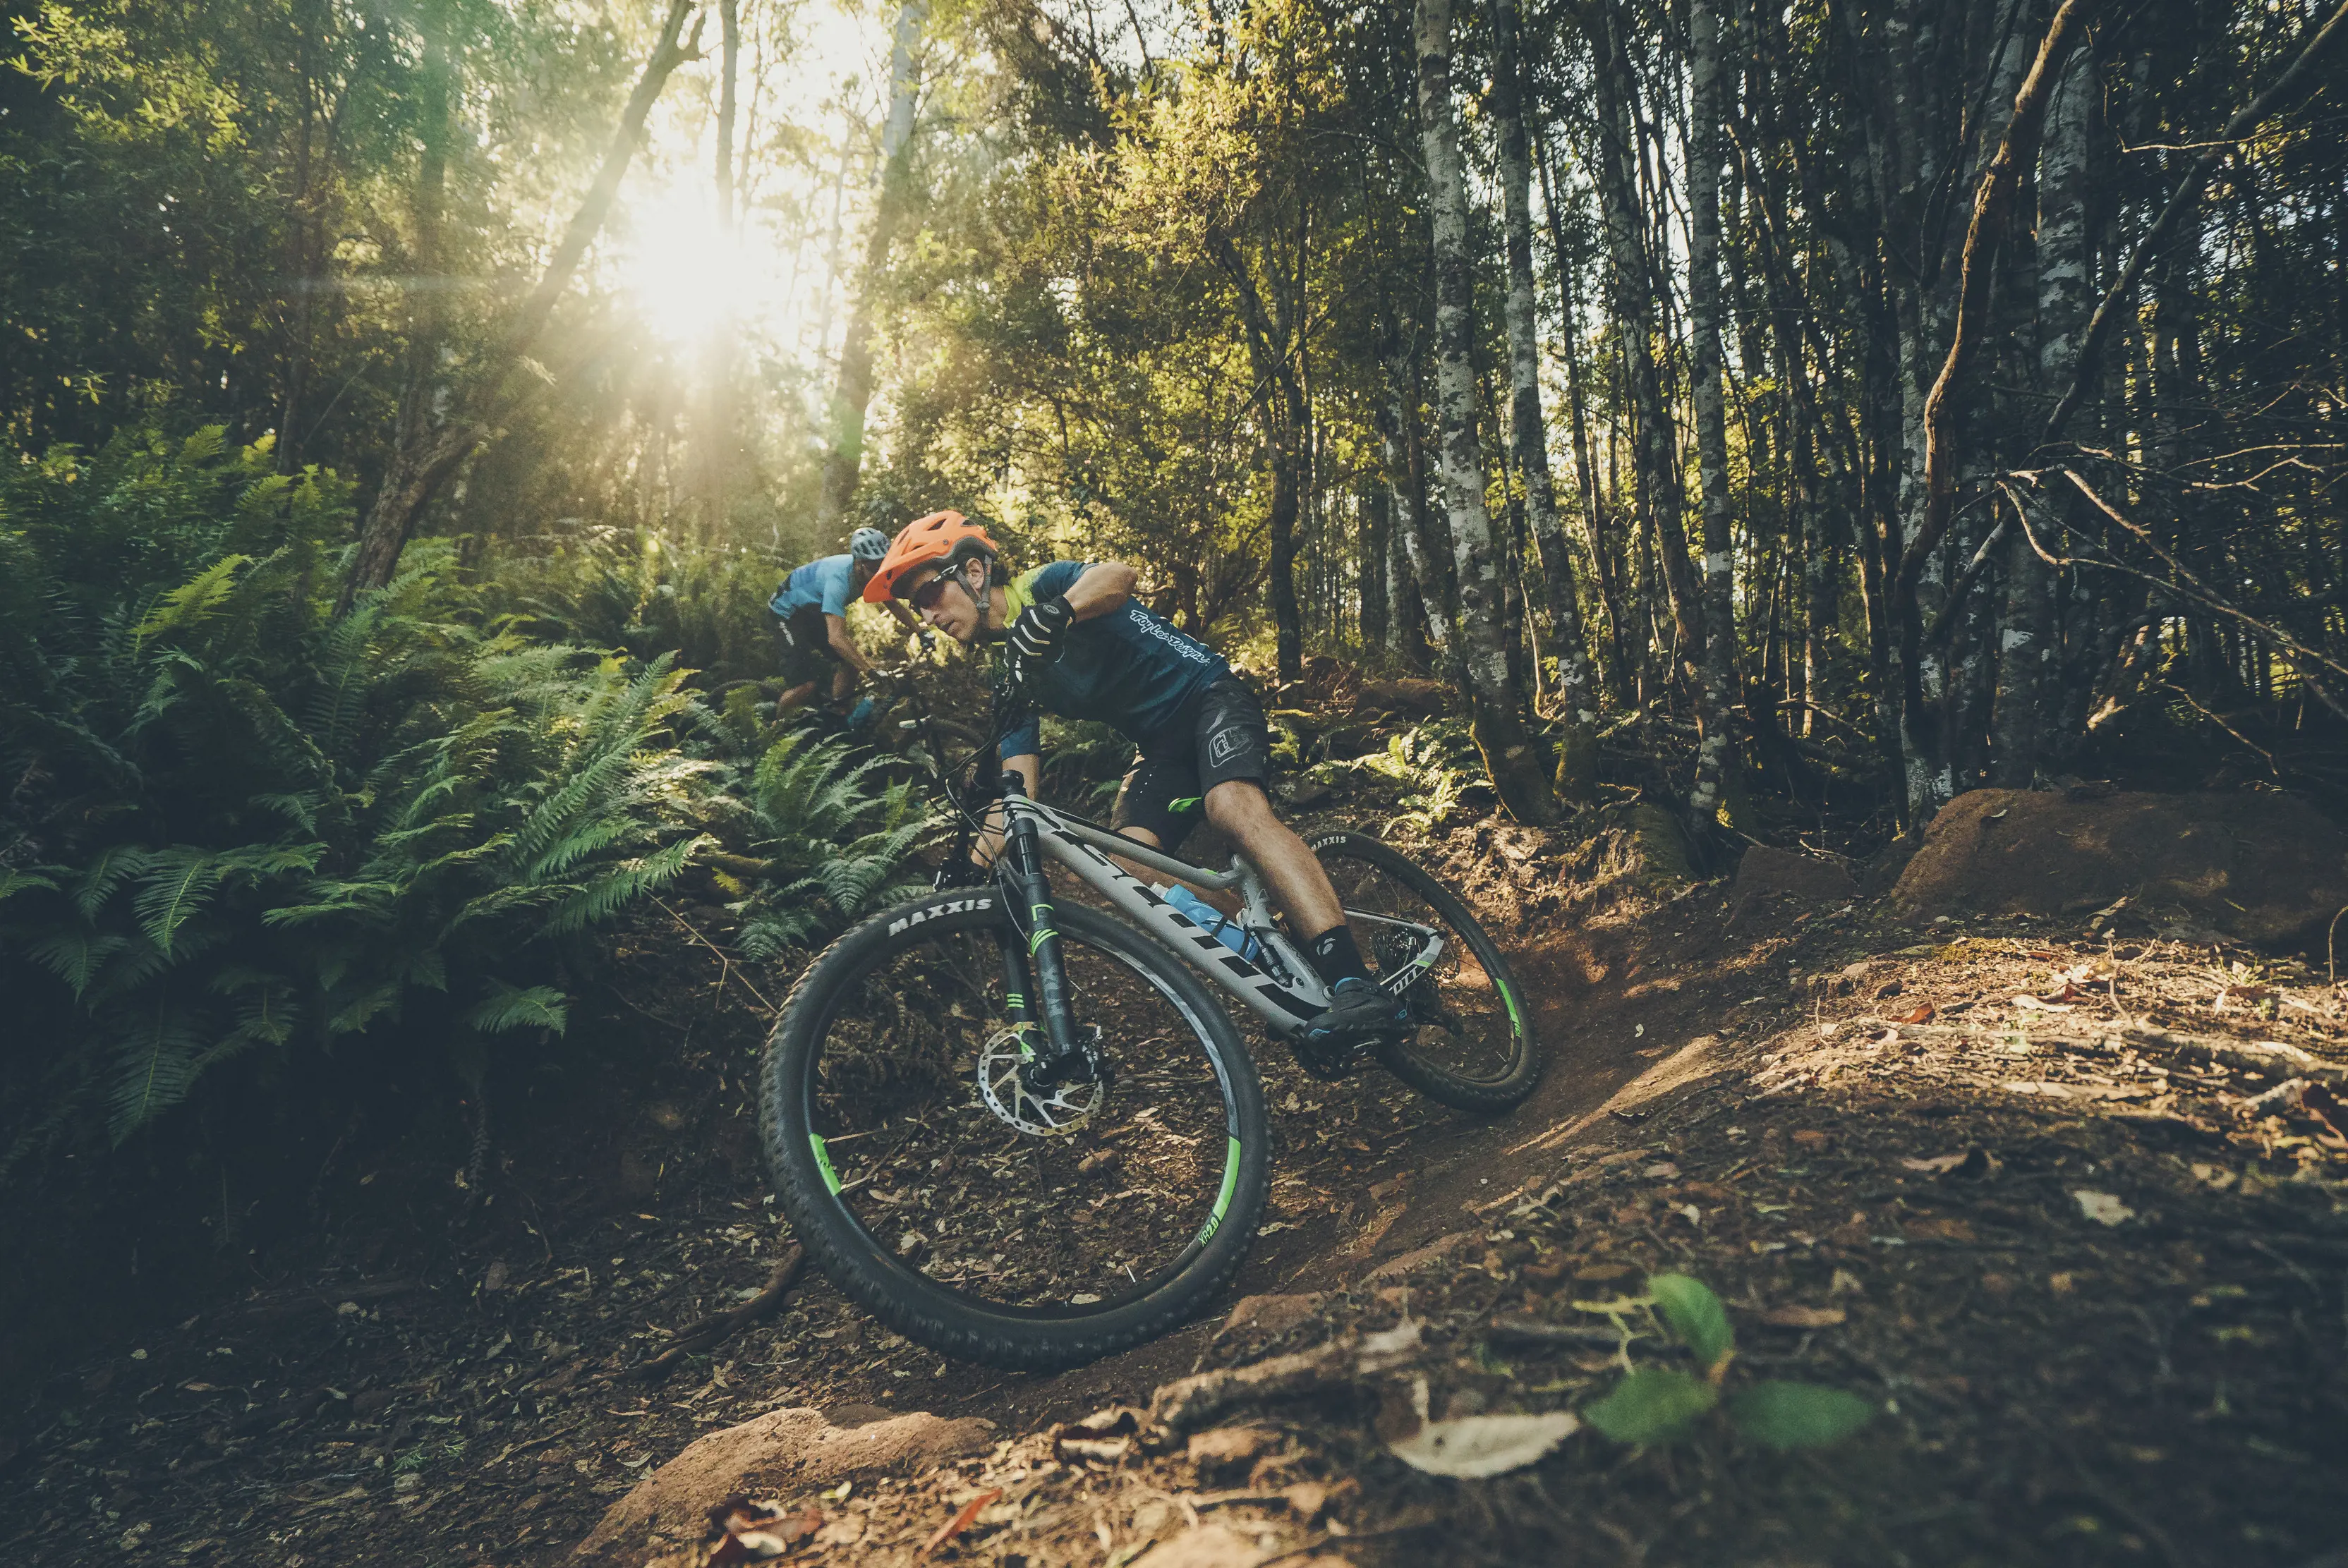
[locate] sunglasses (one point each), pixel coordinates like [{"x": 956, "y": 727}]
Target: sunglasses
[{"x": 927, "y": 594}]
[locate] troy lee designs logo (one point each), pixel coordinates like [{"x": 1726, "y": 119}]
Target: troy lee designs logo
[
  {"x": 951, "y": 907},
  {"x": 1166, "y": 634}
]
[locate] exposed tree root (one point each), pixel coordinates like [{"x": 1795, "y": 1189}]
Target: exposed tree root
[{"x": 719, "y": 1327}]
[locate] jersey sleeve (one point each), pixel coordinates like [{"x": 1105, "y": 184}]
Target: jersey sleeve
[{"x": 1053, "y": 581}]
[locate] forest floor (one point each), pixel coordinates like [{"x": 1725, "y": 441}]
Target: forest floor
[{"x": 2012, "y": 1181}]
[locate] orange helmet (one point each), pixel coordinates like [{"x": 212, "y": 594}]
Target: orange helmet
[{"x": 941, "y": 537}]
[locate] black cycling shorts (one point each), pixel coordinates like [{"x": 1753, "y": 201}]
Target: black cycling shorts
[
  {"x": 807, "y": 653},
  {"x": 1220, "y": 736}
]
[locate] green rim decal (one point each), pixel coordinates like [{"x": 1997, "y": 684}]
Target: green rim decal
[
  {"x": 823, "y": 1159},
  {"x": 1222, "y": 1199},
  {"x": 1510, "y": 997}
]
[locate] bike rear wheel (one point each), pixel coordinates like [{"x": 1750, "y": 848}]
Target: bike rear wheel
[
  {"x": 986, "y": 1226},
  {"x": 1471, "y": 1045}
]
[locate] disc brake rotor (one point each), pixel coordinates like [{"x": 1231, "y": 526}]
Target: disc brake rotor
[{"x": 1005, "y": 1092}]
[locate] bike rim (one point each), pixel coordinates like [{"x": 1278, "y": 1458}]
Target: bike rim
[
  {"x": 1467, "y": 1022},
  {"x": 954, "y": 1196}
]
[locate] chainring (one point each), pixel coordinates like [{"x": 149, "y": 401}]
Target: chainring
[{"x": 1004, "y": 1089}]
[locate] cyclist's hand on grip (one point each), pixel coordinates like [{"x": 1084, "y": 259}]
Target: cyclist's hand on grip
[{"x": 1037, "y": 633}]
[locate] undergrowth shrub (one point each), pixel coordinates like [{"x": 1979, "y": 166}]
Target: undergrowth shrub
[
  {"x": 234, "y": 822},
  {"x": 834, "y": 847}
]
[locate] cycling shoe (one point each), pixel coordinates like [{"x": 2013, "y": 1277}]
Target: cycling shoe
[{"x": 1358, "y": 1014}]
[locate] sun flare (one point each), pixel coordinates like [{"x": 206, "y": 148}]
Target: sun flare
[{"x": 685, "y": 273}]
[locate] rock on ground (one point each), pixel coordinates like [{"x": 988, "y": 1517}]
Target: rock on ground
[
  {"x": 2257, "y": 867},
  {"x": 782, "y": 1451}
]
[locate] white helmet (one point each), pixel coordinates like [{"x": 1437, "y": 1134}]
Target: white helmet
[{"x": 868, "y": 543}]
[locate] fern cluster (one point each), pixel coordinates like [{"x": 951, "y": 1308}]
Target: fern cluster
[
  {"x": 836, "y": 847},
  {"x": 233, "y": 820}
]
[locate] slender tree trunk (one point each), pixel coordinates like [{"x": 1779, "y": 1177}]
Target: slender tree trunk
[
  {"x": 729, "y": 17},
  {"x": 2028, "y": 651},
  {"x": 843, "y": 459},
  {"x": 1719, "y": 685},
  {"x": 1634, "y": 278},
  {"x": 1577, "y": 763},
  {"x": 1924, "y": 747},
  {"x": 1375, "y": 501},
  {"x": 426, "y": 457},
  {"x": 1496, "y": 715}
]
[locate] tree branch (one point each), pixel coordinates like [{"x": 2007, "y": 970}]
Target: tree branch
[{"x": 2188, "y": 190}]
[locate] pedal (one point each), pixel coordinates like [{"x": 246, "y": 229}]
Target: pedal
[{"x": 1331, "y": 1062}]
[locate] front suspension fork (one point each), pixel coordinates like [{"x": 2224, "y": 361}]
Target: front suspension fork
[{"x": 1029, "y": 892}]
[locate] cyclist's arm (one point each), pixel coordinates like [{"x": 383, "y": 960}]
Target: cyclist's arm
[
  {"x": 905, "y": 617},
  {"x": 1029, "y": 767},
  {"x": 1099, "y": 588},
  {"x": 845, "y": 646}
]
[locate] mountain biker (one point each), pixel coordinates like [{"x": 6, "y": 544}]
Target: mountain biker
[
  {"x": 812, "y": 607},
  {"x": 1093, "y": 652}
]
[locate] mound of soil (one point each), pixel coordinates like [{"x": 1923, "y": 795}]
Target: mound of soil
[
  {"x": 797, "y": 1449},
  {"x": 2264, "y": 868}
]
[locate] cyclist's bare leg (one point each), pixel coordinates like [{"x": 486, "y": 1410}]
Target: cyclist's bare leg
[
  {"x": 1241, "y": 808},
  {"x": 794, "y": 697},
  {"x": 1228, "y": 902}
]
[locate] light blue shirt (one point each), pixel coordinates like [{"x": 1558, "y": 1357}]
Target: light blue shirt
[{"x": 823, "y": 582}]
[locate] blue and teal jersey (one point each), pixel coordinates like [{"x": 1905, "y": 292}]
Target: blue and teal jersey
[
  {"x": 821, "y": 582},
  {"x": 1128, "y": 669}
]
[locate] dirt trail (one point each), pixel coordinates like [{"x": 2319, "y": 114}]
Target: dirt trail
[
  {"x": 1740, "y": 1094},
  {"x": 468, "y": 1394}
]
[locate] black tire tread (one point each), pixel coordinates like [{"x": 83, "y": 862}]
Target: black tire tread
[
  {"x": 1477, "y": 1096},
  {"x": 936, "y": 1321}
]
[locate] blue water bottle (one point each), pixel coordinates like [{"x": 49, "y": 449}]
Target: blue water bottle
[{"x": 1217, "y": 924}]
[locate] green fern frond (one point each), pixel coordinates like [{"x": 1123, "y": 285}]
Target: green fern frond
[
  {"x": 14, "y": 881},
  {"x": 157, "y": 1061},
  {"x": 192, "y": 601},
  {"x": 513, "y": 1006},
  {"x": 76, "y": 956},
  {"x": 629, "y": 882},
  {"x": 176, "y": 885}
]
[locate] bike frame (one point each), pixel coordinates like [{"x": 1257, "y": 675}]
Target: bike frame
[{"x": 1285, "y": 993}]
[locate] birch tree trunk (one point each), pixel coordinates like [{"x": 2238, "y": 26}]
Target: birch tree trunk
[
  {"x": 843, "y": 459},
  {"x": 2066, "y": 284},
  {"x": 1577, "y": 763},
  {"x": 1496, "y": 717},
  {"x": 1719, "y": 672}
]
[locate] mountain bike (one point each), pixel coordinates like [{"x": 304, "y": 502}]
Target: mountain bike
[{"x": 1023, "y": 1130}]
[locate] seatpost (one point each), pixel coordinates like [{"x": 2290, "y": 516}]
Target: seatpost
[{"x": 1025, "y": 882}]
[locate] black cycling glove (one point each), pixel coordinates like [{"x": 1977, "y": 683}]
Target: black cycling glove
[{"x": 1040, "y": 629}]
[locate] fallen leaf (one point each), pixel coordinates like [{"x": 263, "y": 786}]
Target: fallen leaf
[
  {"x": 959, "y": 1523},
  {"x": 2102, "y": 1207},
  {"x": 1811, "y": 1139},
  {"x": 1971, "y": 1162},
  {"x": 2032, "y": 1004},
  {"x": 1940, "y": 1229},
  {"x": 1477, "y": 1446},
  {"x": 1804, "y": 1317},
  {"x": 1923, "y": 1014}
]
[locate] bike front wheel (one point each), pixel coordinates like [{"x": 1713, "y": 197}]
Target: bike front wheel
[
  {"x": 1471, "y": 1045},
  {"x": 941, "y": 1192}
]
